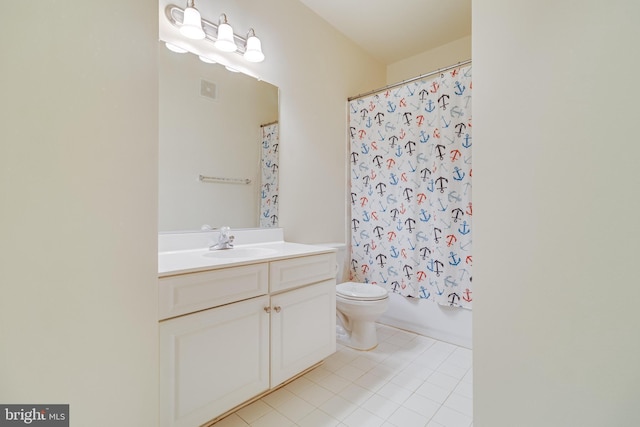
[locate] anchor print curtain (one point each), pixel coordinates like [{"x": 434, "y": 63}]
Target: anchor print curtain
[
  {"x": 269, "y": 176},
  {"x": 411, "y": 188}
]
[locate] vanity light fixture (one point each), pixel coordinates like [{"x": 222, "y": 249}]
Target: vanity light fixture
[
  {"x": 253, "y": 52},
  {"x": 224, "y": 40},
  {"x": 207, "y": 60},
  {"x": 221, "y": 35},
  {"x": 174, "y": 48},
  {"x": 192, "y": 23}
]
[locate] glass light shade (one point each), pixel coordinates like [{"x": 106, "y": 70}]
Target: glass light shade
[
  {"x": 207, "y": 60},
  {"x": 173, "y": 48},
  {"x": 192, "y": 24},
  {"x": 233, "y": 70},
  {"x": 254, "y": 50},
  {"x": 225, "y": 40}
]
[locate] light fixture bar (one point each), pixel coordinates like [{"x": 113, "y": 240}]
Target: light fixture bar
[{"x": 175, "y": 15}]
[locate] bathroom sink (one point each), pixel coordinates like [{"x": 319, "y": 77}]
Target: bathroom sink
[{"x": 240, "y": 253}]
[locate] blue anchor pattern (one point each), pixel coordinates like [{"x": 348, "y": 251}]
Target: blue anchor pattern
[
  {"x": 411, "y": 208},
  {"x": 269, "y": 176}
]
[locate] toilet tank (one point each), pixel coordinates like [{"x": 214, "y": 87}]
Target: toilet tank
[{"x": 342, "y": 261}]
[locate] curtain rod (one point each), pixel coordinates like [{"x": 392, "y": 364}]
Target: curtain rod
[
  {"x": 269, "y": 124},
  {"x": 422, "y": 76}
]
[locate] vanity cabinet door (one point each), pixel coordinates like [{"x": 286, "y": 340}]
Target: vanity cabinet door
[
  {"x": 303, "y": 329},
  {"x": 212, "y": 361}
]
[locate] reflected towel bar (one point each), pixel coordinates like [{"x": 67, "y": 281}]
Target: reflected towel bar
[{"x": 203, "y": 178}]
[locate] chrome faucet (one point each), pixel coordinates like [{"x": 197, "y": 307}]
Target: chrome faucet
[{"x": 225, "y": 240}]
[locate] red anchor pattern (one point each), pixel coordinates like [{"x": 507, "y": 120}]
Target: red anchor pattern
[
  {"x": 269, "y": 176},
  {"x": 411, "y": 185}
]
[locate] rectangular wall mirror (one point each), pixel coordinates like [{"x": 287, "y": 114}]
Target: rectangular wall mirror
[{"x": 212, "y": 125}]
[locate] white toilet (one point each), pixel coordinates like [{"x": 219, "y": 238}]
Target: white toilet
[{"x": 358, "y": 306}]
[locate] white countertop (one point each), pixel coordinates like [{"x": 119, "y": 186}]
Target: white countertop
[{"x": 193, "y": 260}]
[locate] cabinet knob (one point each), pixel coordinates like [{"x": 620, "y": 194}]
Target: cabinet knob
[
  {"x": 267, "y": 309},
  {"x": 277, "y": 308}
]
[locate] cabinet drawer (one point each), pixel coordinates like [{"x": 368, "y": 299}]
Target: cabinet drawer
[
  {"x": 295, "y": 272},
  {"x": 198, "y": 291}
]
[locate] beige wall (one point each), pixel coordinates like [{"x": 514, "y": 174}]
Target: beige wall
[
  {"x": 430, "y": 60},
  {"x": 556, "y": 204},
  {"x": 78, "y": 197}
]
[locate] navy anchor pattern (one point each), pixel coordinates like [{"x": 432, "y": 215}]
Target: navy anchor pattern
[
  {"x": 269, "y": 176},
  {"x": 411, "y": 175}
]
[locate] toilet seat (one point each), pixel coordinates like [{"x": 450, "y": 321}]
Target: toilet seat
[{"x": 361, "y": 291}]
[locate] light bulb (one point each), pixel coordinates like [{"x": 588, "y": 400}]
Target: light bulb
[
  {"x": 174, "y": 48},
  {"x": 207, "y": 60},
  {"x": 224, "y": 39},
  {"x": 192, "y": 24},
  {"x": 254, "y": 48}
]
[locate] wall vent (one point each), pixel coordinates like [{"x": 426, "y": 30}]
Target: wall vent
[{"x": 208, "y": 89}]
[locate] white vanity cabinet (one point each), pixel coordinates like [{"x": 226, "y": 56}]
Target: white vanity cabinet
[
  {"x": 303, "y": 318},
  {"x": 303, "y": 329},
  {"x": 231, "y": 333},
  {"x": 213, "y": 360}
]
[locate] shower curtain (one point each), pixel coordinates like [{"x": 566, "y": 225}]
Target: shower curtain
[
  {"x": 269, "y": 176},
  {"x": 411, "y": 188}
]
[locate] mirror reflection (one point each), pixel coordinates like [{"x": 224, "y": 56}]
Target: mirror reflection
[{"x": 218, "y": 154}]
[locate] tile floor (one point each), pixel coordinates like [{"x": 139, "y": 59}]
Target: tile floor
[{"x": 408, "y": 380}]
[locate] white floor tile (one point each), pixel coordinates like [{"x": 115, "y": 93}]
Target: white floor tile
[
  {"x": 380, "y": 406},
  {"x": 350, "y": 372},
  {"x": 422, "y": 405},
  {"x": 370, "y": 382},
  {"x": 383, "y": 371},
  {"x": 464, "y": 389},
  {"x": 296, "y": 408},
  {"x": 364, "y": 363},
  {"x": 318, "y": 373},
  {"x": 273, "y": 419},
  {"x": 254, "y": 411},
  {"x": 468, "y": 378},
  {"x": 338, "y": 407},
  {"x": 318, "y": 418},
  {"x": 443, "y": 380},
  {"x": 407, "y": 380},
  {"x": 452, "y": 369},
  {"x": 356, "y": 394},
  {"x": 315, "y": 394},
  {"x": 232, "y": 420},
  {"x": 433, "y": 392},
  {"x": 418, "y": 371},
  {"x": 450, "y": 418},
  {"x": 461, "y": 404},
  {"x": 298, "y": 385},
  {"x": 277, "y": 398},
  {"x": 405, "y": 417},
  {"x": 394, "y": 392},
  {"x": 361, "y": 417},
  {"x": 334, "y": 383}
]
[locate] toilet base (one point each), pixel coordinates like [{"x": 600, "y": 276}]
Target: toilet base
[{"x": 363, "y": 336}]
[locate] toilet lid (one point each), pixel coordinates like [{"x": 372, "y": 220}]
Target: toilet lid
[{"x": 361, "y": 291}]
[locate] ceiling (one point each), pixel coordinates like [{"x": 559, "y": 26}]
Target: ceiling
[{"x": 395, "y": 30}]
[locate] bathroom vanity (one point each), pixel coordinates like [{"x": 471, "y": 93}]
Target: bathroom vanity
[{"x": 237, "y": 323}]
